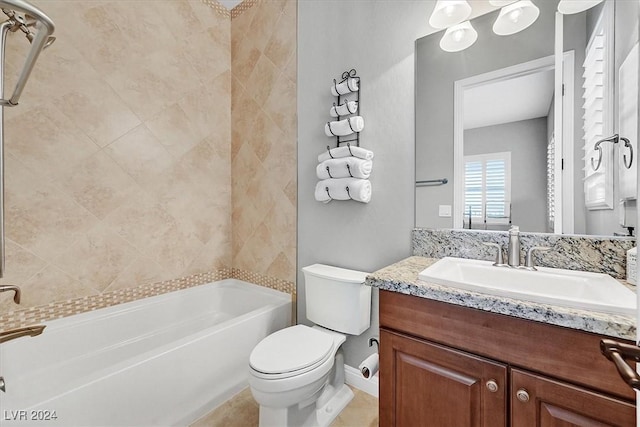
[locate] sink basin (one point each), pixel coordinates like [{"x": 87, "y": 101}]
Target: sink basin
[{"x": 567, "y": 288}]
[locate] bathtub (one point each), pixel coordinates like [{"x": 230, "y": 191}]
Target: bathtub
[{"x": 164, "y": 360}]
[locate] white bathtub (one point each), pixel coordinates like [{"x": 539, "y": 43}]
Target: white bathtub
[{"x": 160, "y": 361}]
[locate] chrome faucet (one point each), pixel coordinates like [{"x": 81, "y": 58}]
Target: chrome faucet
[
  {"x": 12, "y": 334},
  {"x": 15, "y": 289},
  {"x": 513, "y": 250}
]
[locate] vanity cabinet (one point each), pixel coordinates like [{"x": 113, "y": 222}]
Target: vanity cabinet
[{"x": 447, "y": 365}]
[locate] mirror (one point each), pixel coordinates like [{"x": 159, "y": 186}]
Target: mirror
[{"x": 493, "y": 121}]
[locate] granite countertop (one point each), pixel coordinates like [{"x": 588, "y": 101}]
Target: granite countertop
[{"x": 403, "y": 277}]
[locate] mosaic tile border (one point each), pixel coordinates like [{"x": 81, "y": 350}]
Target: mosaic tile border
[
  {"x": 59, "y": 309},
  {"x": 588, "y": 253},
  {"x": 263, "y": 280},
  {"x": 243, "y": 7},
  {"x": 218, "y": 7}
]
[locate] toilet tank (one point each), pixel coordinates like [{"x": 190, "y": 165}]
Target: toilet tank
[{"x": 337, "y": 298}]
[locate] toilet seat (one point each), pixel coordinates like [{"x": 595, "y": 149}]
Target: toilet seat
[{"x": 290, "y": 352}]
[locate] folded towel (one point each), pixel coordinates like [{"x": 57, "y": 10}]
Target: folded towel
[
  {"x": 336, "y": 189},
  {"x": 345, "y": 151},
  {"x": 349, "y": 85},
  {"x": 344, "y": 168},
  {"x": 344, "y": 127},
  {"x": 347, "y": 108}
]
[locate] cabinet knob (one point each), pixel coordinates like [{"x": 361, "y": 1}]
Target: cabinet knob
[
  {"x": 522, "y": 395},
  {"x": 492, "y": 386}
]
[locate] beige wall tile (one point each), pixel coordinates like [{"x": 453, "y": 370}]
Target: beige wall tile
[
  {"x": 140, "y": 271},
  {"x": 98, "y": 112},
  {"x": 44, "y": 140},
  {"x": 96, "y": 258},
  {"x": 52, "y": 284},
  {"x": 141, "y": 155},
  {"x": 39, "y": 217},
  {"x": 98, "y": 184}
]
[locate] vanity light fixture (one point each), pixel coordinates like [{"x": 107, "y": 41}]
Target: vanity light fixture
[
  {"x": 458, "y": 37},
  {"x": 449, "y": 12},
  {"x": 568, "y": 7},
  {"x": 515, "y": 17}
]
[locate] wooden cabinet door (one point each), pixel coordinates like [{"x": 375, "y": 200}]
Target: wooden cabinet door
[
  {"x": 542, "y": 402},
  {"x": 429, "y": 385}
]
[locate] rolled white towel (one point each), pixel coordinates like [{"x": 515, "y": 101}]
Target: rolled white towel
[
  {"x": 344, "y": 168},
  {"x": 336, "y": 189},
  {"x": 347, "y": 86},
  {"x": 345, "y": 151},
  {"x": 344, "y": 127},
  {"x": 347, "y": 108}
]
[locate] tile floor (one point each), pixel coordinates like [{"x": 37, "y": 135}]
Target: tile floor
[{"x": 242, "y": 411}]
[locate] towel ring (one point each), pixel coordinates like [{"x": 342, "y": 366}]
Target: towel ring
[
  {"x": 615, "y": 139},
  {"x": 349, "y": 169},
  {"x": 348, "y": 194},
  {"x": 328, "y": 194},
  {"x": 349, "y": 147},
  {"x": 329, "y": 171},
  {"x": 628, "y": 145},
  {"x": 335, "y": 86}
]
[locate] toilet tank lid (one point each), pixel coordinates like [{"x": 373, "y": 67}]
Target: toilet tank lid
[{"x": 335, "y": 273}]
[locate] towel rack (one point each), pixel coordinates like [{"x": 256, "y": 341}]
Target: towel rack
[
  {"x": 431, "y": 182},
  {"x": 351, "y": 74}
]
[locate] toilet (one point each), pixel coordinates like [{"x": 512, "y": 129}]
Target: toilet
[{"x": 297, "y": 373}]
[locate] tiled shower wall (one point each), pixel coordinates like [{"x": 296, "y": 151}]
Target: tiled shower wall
[
  {"x": 118, "y": 158},
  {"x": 263, "y": 138}
]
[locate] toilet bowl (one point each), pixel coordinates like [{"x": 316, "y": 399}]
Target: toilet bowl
[
  {"x": 297, "y": 374},
  {"x": 292, "y": 365}
]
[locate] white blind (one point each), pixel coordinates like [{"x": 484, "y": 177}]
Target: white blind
[
  {"x": 487, "y": 188},
  {"x": 593, "y": 98},
  {"x": 598, "y": 112}
]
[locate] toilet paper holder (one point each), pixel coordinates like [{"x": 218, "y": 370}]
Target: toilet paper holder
[{"x": 374, "y": 340}]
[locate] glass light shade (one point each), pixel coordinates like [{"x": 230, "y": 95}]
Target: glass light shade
[
  {"x": 568, "y": 7},
  {"x": 458, "y": 37},
  {"x": 500, "y": 3},
  {"x": 449, "y": 12},
  {"x": 515, "y": 17}
]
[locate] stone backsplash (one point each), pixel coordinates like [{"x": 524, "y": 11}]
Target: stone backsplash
[{"x": 599, "y": 254}]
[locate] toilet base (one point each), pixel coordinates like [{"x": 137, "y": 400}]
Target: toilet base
[
  {"x": 326, "y": 414},
  {"x": 310, "y": 416}
]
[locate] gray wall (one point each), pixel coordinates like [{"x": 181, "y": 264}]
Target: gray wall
[
  {"x": 377, "y": 39},
  {"x": 527, "y": 142}
]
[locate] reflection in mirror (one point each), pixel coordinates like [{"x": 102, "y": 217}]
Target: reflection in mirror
[{"x": 509, "y": 116}]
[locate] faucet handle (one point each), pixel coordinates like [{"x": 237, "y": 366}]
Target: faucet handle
[
  {"x": 528, "y": 262},
  {"x": 499, "y": 257}
]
